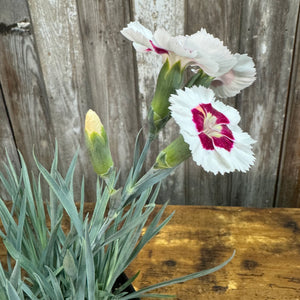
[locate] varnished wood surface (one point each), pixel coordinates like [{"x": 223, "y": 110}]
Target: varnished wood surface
[{"x": 266, "y": 265}]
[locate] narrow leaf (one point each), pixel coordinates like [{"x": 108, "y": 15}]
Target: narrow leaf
[
  {"x": 64, "y": 196},
  {"x": 11, "y": 292},
  {"x": 90, "y": 268}
]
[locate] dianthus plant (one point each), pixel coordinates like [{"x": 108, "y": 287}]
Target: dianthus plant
[{"x": 47, "y": 260}]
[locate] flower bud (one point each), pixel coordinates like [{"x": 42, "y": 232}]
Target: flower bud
[
  {"x": 177, "y": 152},
  {"x": 97, "y": 144},
  {"x": 169, "y": 79}
]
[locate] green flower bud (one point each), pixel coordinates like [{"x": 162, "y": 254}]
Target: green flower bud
[
  {"x": 169, "y": 79},
  {"x": 97, "y": 144},
  {"x": 177, "y": 152}
]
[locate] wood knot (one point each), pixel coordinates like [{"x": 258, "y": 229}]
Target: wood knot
[
  {"x": 170, "y": 263},
  {"x": 22, "y": 27},
  {"x": 249, "y": 264},
  {"x": 292, "y": 225},
  {"x": 219, "y": 289}
]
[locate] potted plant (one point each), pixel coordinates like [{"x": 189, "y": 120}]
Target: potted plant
[{"x": 88, "y": 261}]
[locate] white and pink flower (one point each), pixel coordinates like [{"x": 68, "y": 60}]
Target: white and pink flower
[
  {"x": 231, "y": 73},
  {"x": 239, "y": 77},
  {"x": 200, "y": 49},
  {"x": 211, "y": 130}
]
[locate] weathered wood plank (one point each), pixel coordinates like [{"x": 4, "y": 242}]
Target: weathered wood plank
[
  {"x": 111, "y": 75},
  {"x": 7, "y": 141},
  {"x": 56, "y": 29},
  {"x": 22, "y": 85},
  {"x": 170, "y": 16},
  {"x": 262, "y": 106},
  {"x": 97, "y": 69},
  {"x": 288, "y": 193}
]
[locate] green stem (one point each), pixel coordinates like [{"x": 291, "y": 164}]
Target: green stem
[{"x": 110, "y": 179}]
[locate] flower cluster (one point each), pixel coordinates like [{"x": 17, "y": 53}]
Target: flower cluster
[
  {"x": 231, "y": 72},
  {"x": 209, "y": 129}
]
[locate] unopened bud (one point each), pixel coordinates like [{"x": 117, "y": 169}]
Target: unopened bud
[
  {"x": 169, "y": 79},
  {"x": 177, "y": 152},
  {"x": 97, "y": 144}
]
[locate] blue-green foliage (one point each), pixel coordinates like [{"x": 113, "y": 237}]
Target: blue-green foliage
[{"x": 46, "y": 262}]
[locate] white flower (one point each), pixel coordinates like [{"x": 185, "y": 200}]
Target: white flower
[
  {"x": 210, "y": 129},
  {"x": 200, "y": 49},
  {"x": 139, "y": 35},
  {"x": 212, "y": 56},
  {"x": 239, "y": 77},
  {"x": 160, "y": 42}
]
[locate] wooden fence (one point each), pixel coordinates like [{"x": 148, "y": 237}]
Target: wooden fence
[{"x": 60, "y": 58}]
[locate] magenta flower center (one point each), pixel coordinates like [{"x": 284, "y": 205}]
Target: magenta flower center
[
  {"x": 158, "y": 50},
  {"x": 212, "y": 127}
]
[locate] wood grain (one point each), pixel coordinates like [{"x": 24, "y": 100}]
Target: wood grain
[
  {"x": 266, "y": 264},
  {"x": 72, "y": 57},
  {"x": 262, "y": 106},
  {"x": 7, "y": 144},
  {"x": 288, "y": 193},
  {"x": 23, "y": 87},
  {"x": 56, "y": 29},
  {"x": 267, "y": 99}
]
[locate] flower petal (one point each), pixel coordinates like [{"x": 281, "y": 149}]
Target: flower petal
[
  {"x": 239, "y": 77},
  {"x": 139, "y": 35},
  {"x": 212, "y": 56},
  {"x": 200, "y": 49},
  {"x": 175, "y": 47}
]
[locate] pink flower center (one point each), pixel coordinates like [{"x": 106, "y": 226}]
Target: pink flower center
[{"x": 212, "y": 128}]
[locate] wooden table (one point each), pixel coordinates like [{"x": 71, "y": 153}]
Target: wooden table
[{"x": 266, "y": 264}]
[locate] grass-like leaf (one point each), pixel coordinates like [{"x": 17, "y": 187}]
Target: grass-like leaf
[
  {"x": 84, "y": 263},
  {"x": 90, "y": 268},
  {"x": 11, "y": 292},
  {"x": 65, "y": 197},
  {"x": 55, "y": 285}
]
